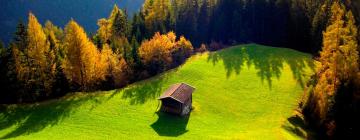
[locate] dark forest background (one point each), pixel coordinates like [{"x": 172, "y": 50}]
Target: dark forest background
[
  {"x": 296, "y": 24},
  {"x": 86, "y": 12}
]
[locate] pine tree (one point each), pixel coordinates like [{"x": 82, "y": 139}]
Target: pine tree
[
  {"x": 204, "y": 20},
  {"x": 54, "y": 36},
  {"x": 157, "y": 15},
  {"x": 114, "y": 12},
  {"x": 134, "y": 52},
  {"x": 149, "y": 14},
  {"x": 20, "y": 38},
  {"x": 138, "y": 27},
  {"x": 115, "y": 27},
  {"x": 119, "y": 26}
]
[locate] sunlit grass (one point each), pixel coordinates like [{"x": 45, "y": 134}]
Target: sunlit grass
[{"x": 244, "y": 92}]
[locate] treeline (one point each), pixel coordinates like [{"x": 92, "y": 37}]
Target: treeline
[
  {"x": 44, "y": 62},
  {"x": 294, "y": 24},
  {"x": 208, "y": 24}
]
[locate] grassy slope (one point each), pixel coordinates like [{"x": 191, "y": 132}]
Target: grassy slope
[{"x": 248, "y": 91}]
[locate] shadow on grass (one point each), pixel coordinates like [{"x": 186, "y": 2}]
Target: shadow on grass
[
  {"x": 143, "y": 91},
  {"x": 34, "y": 118},
  {"x": 170, "y": 125},
  {"x": 268, "y": 61},
  {"x": 296, "y": 125}
]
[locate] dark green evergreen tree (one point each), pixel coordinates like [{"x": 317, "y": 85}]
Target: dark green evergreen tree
[{"x": 21, "y": 36}]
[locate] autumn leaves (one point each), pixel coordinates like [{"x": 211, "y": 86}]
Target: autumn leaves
[
  {"x": 162, "y": 51},
  {"x": 35, "y": 61},
  {"x": 337, "y": 69},
  {"x": 84, "y": 64},
  {"x": 45, "y": 56}
]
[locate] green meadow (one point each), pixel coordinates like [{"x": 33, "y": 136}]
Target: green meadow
[{"x": 243, "y": 92}]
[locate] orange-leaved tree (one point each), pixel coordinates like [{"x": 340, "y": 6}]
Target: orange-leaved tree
[{"x": 158, "y": 52}]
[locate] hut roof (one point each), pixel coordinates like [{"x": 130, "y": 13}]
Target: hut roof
[{"x": 180, "y": 92}]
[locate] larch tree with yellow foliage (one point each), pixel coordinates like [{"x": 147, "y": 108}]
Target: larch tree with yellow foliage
[
  {"x": 35, "y": 65},
  {"x": 82, "y": 64},
  {"x": 338, "y": 61}
]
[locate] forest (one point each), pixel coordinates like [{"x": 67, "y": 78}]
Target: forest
[
  {"x": 85, "y": 13},
  {"x": 44, "y": 61}
]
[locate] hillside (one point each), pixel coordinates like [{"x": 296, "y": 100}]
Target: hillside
[
  {"x": 86, "y": 12},
  {"x": 247, "y": 91}
]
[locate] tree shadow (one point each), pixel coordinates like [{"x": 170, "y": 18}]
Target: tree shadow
[
  {"x": 35, "y": 117},
  {"x": 170, "y": 125},
  {"x": 143, "y": 91},
  {"x": 296, "y": 125},
  {"x": 298, "y": 67},
  {"x": 268, "y": 61}
]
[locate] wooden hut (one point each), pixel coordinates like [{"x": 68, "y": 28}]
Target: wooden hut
[{"x": 177, "y": 99}]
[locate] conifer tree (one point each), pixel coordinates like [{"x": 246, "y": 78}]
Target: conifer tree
[
  {"x": 2, "y": 49},
  {"x": 349, "y": 53},
  {"x": 57, "y": 31},
  {"x": 104, "y": 31},
  {"x": 20, "y": 38},
  {"x": 40, "y": 55},
  {"x": 114, "y": 12},
  {"x": 138, "y": 27},
  {"x": 119, "y": 26},
  {"x": 338, "y": 59},
  {"x": 134, "y": 52},
  {"x": 82, "y": 64},
  {"x": 157, "y": 15},
  {"x": 35, "y": 63}
]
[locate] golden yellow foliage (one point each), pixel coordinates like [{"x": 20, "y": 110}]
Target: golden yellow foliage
[
  {"x": 116, "y": 26},
  {"x": 115, "y": 65},
  {"x": 158, "y": 48},
  {"x": 155, "y": 11},
  {"x": 83, "y": 64},
  {"x": 185, "y": 46},
  {"x": 161, "y": 48},
  {"x": 35, "y": 66},
  {"x": 338, "y": 58},
  {"x": 104, "y": 31}
]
